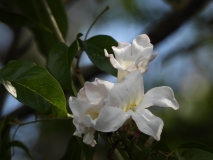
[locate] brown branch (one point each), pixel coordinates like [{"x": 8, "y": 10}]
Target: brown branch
[{"x": 174, "y": 20}]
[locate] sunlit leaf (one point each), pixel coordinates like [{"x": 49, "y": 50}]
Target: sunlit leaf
[
  {"x": 35, "y": 87},
  {"x": 22, "y": 146},
  {"x": 94, "y": 48}
]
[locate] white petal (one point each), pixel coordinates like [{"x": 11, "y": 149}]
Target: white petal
[
  {"x": 121, "y": 74},
  {"x": 82, "y": 95},
  {"x": 148, "y": 123},
  {"x": 126, "y": 93},
  {"x": 160, "y": 96},
  {"x": 113, "y": 61},
  {"x": 108, "y": 85},
  {"x": 80, "y": 128},
  {"x": 123, "y": 54},
  {"x": 141, "y": 46},
  {"x": 89, "y": 138},
  {"x": 77, "y": 133},
  {"x": 110, "y": 119},
  {"x": 78, "y": 107},
  {"x": 88, "y": 121},
  {"x": 142, "y": 63},
  {"x": 95, "y": 92}
]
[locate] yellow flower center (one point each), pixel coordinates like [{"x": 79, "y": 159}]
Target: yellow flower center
[
  {"x": 93, "y": 114},
  {"x": 131, "y": 106}
]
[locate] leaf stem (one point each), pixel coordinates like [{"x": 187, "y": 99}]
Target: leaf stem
[
  {"x": 106, "y": 8},
  {"x": 53, "y": 22},
  {"x": 36, "y": 121},
  {"x": 81, "y": 51},
  {"x": 149, "y": 142},
  {"x": 128, "y": 150},
  {"x": 20, "y": 124},
  {"x": 60, "y": 38}
]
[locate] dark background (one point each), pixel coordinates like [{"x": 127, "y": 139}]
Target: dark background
[{"x": 180, "y": 30}]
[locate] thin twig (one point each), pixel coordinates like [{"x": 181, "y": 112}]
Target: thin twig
[
  {"x": 31, "y": 122},
  {"x": 58, "y": 34},
  {"x": 81, "y": 51},
  {"x": 53, "y": 22},
  {"x": 149, "y": 142},
  {"x": 106, "y": 8}
]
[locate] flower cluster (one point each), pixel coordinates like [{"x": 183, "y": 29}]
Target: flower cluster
[{"x": 106, "y": 106}]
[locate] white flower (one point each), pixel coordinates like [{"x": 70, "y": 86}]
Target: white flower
[
  {"x": 87, "y": 106},
  {"x": 127, "y": 99},
  {"x": 132, "y": 57}
]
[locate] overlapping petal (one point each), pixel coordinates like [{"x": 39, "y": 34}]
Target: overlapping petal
[
  {"x": 126, "y": 99},
  {"x": 86, "y": 108},
  {"x": 129, "y": 92},
  {"x": 105, "y": 107},
  {"x": 132, "y": 57},
  {"x": 89, "y": 137},
  {"x": 110, "y": 119}
]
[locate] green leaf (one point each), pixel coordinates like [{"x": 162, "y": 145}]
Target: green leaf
[
  {"x": 196, "y": 154},
  {"x": 195, "y": 151},
  {"x": 73, "y": 150},
  {"x": 59, "y": 64},
  {"x": 18, "y": 20},
  {"x": 160, "y": 146},
  {"x": 37, "y": 12},
  {"x": 143, "y": 154},
  {"x": 196, "y": 145},
  {"x": 94, "y": 47},
  {"x": 20, "y": 145},
  {"x": 59, "y": 14},
  {"x": 159, "y": 151},
  {"x": 179, "y": 156},
  {"x": 35, "y": 87},
  {"x": 5, "y": 126}
]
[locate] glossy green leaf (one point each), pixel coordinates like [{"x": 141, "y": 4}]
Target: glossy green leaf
[
  {"x": 195, "y": 151},
  {"x": 196, "y": 154},
  {"x": 159, "y": 150},
  {"x": 22, "y": 146},
  {"x": 35, "y": 9},
  {"x": 160, "y": 146},
  {"x": 73, "y": 150},
  {"x": 196, "y": 145},
  {"x": 94, "y": 48},
  {"x": 59, "y": 64},
  {"x": 18, "y": 20},
  {"x": 35, "y": 87},
  {"x": 179, "y": 156}
]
